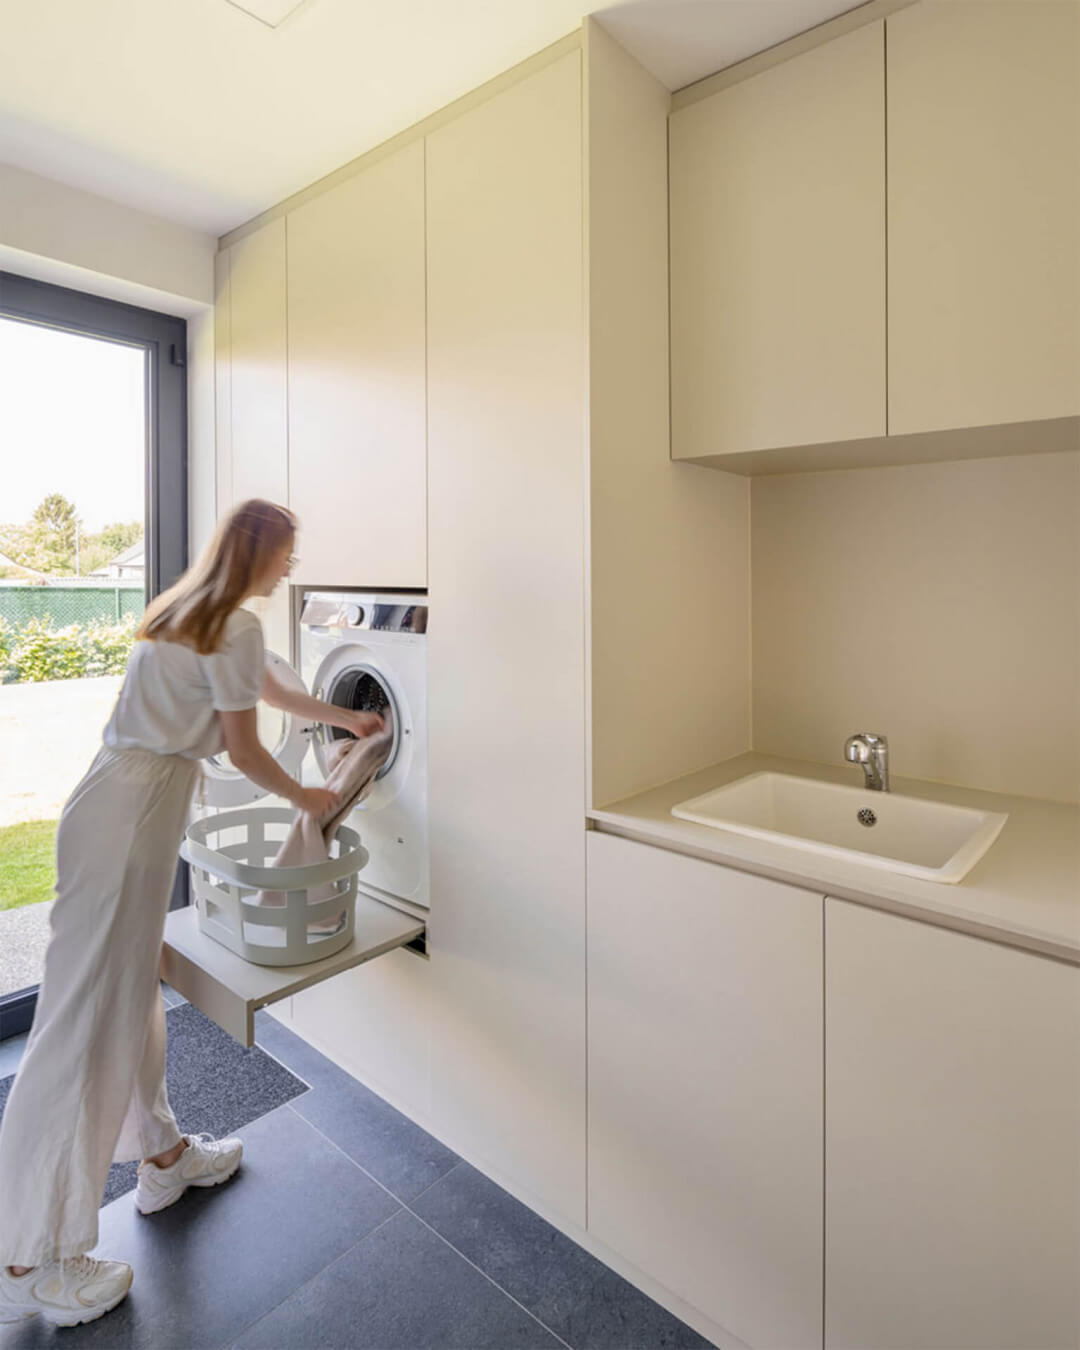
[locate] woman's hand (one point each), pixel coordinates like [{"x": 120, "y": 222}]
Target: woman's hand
[
  {"x": 316, "y": 800},
  {"x": 362, "y": 724},
  {"x": 300, "y": 704}
]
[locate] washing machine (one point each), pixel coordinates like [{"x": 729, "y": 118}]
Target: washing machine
[
  {"x": 363, "y": 650},
  {"x": 368, "y": 651}
]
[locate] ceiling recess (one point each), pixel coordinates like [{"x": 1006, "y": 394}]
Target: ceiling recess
[{"x": 269, "y": 12}]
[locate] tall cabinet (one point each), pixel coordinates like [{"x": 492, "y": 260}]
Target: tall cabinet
[
  {"x": 534, "y": 436},
  {"x": 506, "y": 484}
]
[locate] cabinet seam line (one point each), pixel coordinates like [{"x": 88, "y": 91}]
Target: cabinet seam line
[
  {"x": 885, "y": 138},
  {"x": 232, "y": 392},
  {"x": 584, "y": 127},
  {"x": 824, "y": 1149},
  {"x": 288, "y": 422},
  {"x": 670, "y": 391},
  {"x": 427, "y": 383}
]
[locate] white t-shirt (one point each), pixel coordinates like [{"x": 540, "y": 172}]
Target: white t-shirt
[{"x": 171, "y": 696}]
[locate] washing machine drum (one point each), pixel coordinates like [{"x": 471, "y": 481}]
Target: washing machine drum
[{"x": 363, "y": 689}]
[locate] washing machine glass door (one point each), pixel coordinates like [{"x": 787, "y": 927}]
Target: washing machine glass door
[
  {"x": 353, "y": 676},
  {"x": 284, "y": 736}
]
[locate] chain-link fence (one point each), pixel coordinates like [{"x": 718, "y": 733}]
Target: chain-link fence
[
  {"x": 67, "y": 632},
  {"x": 63, "y": 605}
]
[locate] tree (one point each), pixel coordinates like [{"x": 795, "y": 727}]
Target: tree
[
  {"x": 119, "y": 536},
  {"x": 47, "y": 542},
  {"x": 55, "y": 528}
]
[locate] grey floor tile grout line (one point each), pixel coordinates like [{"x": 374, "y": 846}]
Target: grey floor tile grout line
[
  {"x": 397, "y": 1200},
  {"x": 360, "y": 1168},
  {"x": 293, "y": 1292},
  {"x": 489, "y": 1279},
  {"x": 406, "y": 1206}
]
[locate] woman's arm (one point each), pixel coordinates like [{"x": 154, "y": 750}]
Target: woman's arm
[
  {"x": 252, "y": 760},
  {"x": 300, "y": 704}
]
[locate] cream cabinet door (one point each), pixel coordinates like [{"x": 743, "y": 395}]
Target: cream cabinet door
[
  {"x": 705, "y": 1085},
  {"x": 952, "y": 1130},
  {"x": 357, "y": 449},
  {"x": 778, "y": 255},
  {"x": 254, "y": 439},
  {"x": 252, "y": 425},
  {"x": 984, "y": 183},
  {"x": 506, "y": 659}
]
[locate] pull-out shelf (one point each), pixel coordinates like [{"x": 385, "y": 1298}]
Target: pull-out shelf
[{"x": 230, "y": 990}]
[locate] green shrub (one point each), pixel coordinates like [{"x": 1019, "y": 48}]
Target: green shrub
[
  {"x": 36, "y": 651},
  {"x": 108, "y": 647},
  {"x": 44, "y": 653}
]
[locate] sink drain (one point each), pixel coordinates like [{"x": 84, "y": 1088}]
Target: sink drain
[{"x": 867, "y": 817}]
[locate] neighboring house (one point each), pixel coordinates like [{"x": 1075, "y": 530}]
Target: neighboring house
[{"x": 127, "y": 566}]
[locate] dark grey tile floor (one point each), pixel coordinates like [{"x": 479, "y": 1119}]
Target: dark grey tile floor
[{"x": 350, "y": 1228}]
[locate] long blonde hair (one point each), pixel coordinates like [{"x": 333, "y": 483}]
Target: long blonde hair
[{"x": 194, "y": 610}]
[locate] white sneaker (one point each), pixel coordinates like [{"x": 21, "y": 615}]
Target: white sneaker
[
  {"x": 205, "y": 1162},
  {"x": 65, "y": 1292}
]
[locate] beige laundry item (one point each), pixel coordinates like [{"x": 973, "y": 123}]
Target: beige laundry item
[{"x": 353, "y": 766}]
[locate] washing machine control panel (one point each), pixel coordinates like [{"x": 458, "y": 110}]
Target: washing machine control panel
[{"x": 382, "y": 614}]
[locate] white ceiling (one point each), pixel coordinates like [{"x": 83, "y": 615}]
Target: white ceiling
[{"x": 194, "y": 110}]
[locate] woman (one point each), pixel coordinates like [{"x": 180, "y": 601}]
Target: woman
[{"x": 91, "y": 1086}]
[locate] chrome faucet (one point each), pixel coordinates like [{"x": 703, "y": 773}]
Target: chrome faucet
[{"x": 872, "y": 752}]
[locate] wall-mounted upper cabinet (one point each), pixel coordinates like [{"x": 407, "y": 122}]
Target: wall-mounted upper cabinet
[
  {"x": 252, "y": 418},
  {"x": 252, "y": 401},
  {"x": 984, "y": 179},
  {"x": 356, "y": 326},
  {"x": 915, "y": 180},
  {"x": 778, "y": 255}
]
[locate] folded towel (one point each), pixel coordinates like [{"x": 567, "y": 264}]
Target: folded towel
[{"x": 352, "y": 769}]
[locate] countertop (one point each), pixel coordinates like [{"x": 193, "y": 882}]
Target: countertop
[{"x": 1025, "y": 891}]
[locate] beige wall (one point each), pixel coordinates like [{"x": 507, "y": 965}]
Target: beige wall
[
  {"x": 134, "y": 253},
  {"x": 669, "y": 584},
  {"x": 937, "y": 603}
]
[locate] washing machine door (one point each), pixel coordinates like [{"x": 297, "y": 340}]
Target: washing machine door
[
  {"x": 286, "y": 738},
  {"x": 356, "y": 675}
]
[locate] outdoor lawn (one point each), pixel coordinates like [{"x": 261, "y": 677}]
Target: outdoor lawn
[
  {"x": 49, "y": 734},
  {"x": 27, "y": 870}
]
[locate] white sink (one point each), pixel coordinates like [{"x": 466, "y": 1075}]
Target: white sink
[{"x": 917, "y": 838}]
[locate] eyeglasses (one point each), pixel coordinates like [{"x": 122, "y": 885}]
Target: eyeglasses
[{"x": 291, "y": 561}]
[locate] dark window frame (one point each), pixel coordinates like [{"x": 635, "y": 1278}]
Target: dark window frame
[{"x": 164, "y": 337}]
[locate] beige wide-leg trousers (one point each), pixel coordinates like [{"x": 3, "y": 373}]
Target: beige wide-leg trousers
[{"x": 91, "y": 1086}]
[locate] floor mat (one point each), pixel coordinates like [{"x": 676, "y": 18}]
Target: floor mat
[{"x": 215, "y": 1085}]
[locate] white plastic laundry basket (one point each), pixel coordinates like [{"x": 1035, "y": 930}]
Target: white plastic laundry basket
[{"x": 229, "y": 853}]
